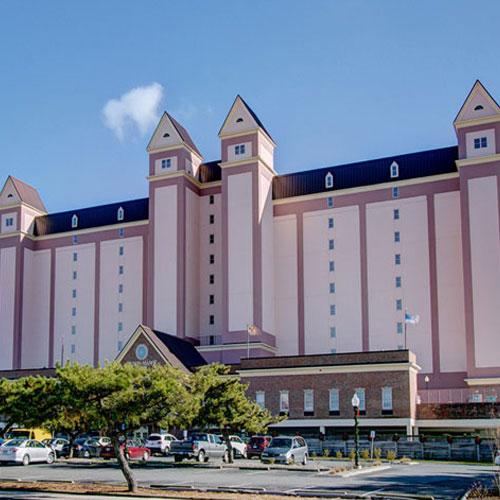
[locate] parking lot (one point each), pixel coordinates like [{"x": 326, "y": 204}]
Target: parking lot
[{"x": 443, "y": 481}]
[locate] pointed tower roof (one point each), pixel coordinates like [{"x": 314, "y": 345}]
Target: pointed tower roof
[
  {"x": 246, "y": 119},
  {"x": 25, "y": 193},
  {"x": 170, "y": 132},
  {"x": 478, "y": 104}
]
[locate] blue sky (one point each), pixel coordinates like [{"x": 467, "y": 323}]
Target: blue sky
[{"x": 333, "y": 81}]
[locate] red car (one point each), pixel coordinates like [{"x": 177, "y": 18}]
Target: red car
[
  {"x": 257, "y": 445},
  {"x": 133, "y": 451}
]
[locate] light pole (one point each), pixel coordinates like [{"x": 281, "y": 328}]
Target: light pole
[
  {"x": 251, "y": 330},
  {"x": 355, "y": 406}
]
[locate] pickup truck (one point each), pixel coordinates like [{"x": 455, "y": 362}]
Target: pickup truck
[{"x": 199, "y": 446}]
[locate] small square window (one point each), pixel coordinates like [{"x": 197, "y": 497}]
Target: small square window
[
  {"x": 480, "y": 142},
  {"x": 121, "y": 250},
  {"x": 73, "y": 348},
  {"x": 74, "y": 239},
  {"x": 120, "y": 326},
  {"x": 75, "y": 257},
  {"x": 399, "y": 327},
  {"x": 399, "y": 304},
  {"x": 333, "y": 350},
  {"x": 331, "y": 265},
  {"x": 330, "y": 223},
  {"x": 73, "y": 311},
  {"x": 120, "y": 345},
  {"x": 211, "y": 239},
  {"x": 331, "y": 244},
  {"x": 120, "y": 269},
  {"x": 334, "y": 402},
  {"x": 121, "y": 232},
  {"x": 75, "y": 275},
  {"x": 211, "y": 199},
  {"x": 239, "y": 149},
  {"x": 397, "y": 259},
  {"x": 397, "y": 237},
  {"x": 395, "y": 192},
  {"x": 333, "y": 310},
  {"x": 212, "y": 218},
  {"x": 211, "y": 319},
  {"x": 332, "y": 287},
  {"x": 73, "y": 330},
  {"x": 400, "y": 347},
  {"x": 333, "y": 332},
  {"x": 394, "y": 170},
  {"x": 73, "y": 293},
  {"x": 398, "y": 281},
  {"x": 329, "y": 202},
  {"x": 260, "y": 398},
  {"x": 120, "y": 307},
  {"x": 212, "y": 259},
  {"x": 396, "y": 214},
  {"x": 120, "y": 288},
  {"x": 211, "y": 279},
  {"x": 166, "y": 163},
  {"x": 484, "y": 142},
  {"x": 211, "y": 299},
  {"x": 9, "y": 222}
]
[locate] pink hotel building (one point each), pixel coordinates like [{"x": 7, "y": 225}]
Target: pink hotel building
[{"x": 318, "y": 261}]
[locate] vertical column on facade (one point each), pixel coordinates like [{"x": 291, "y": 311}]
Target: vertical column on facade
[
  {"x": 18, "y": 311},
  {"x": 97, "y": 294},
  {"x": 300, "y": 282},
  {"x": 365, "y": 332}
]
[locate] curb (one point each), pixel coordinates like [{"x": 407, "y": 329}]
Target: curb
[{"x": 369, "y": 470}]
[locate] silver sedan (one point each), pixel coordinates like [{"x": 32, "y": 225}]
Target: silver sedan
[{"x": 25, "y": 451}]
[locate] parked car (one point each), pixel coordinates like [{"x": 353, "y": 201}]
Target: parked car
[
  {"x": 25, "y": 451},
  {"x": 134, "y": 450},
  {"x": 200, "y": 446},
  {"x": 60, "y": 446},
  {"x": 497, "y": 457},
  {"x": 239, "y": 448},
  {"x": 90, "y": 448},
  {"x": 159, "y": 443},
  {"x": 257, "y": 445},
  {"x": 286, "y": 449}
]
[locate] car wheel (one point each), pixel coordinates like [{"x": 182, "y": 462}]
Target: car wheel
[
  {"x": 201, "y": 456},
  {"x": 26, "y": 460},
  {"x": 225, "y": 457},
  {"x": 50, "y": 458},
  {"x": 304, "y": 461},
  {"x": 145, "y": 456}
]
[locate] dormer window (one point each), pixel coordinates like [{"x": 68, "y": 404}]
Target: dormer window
[
  {"x": 478, "y": 107},
  {"x": 74, "y": 221},
  {"x": 120, "y": 214},
  {"x": 239, "y": 120},
  {"x": 480, "y": 142},
  {"x": 329, "y": 180},
  {"x": 394, "y": 170},
  {"x": 166, "y": 163},
  {"x": 239, "y": 149}
]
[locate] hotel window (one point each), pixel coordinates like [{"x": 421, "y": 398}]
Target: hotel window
[
  {"x": 329, "y": 202},
  {"x": 212, "y": 340},
  {"x": 73, "y": 330},
  {"x": 212, "y": 259},
  {"x": 330, "y": 223},
  {"x": 73, "y": 348},
  {"x": 480, "y": 142},
  {"x": 239, "y": 149},
  {"x": 329, "y": 180},
  {"x": 394, "y": 170},
  {"x": 9, "y": 222},
  {"x": 397, "y": 236},
  {"x": 331, "y": 265},
  {"x": 211, "y": 279},
  {"x": 399, "y": 327},
  {"x": 211, "y": 199},
  {"x": 333, "y": 350},
  {"x": 395, "y": 192},
  {"x": 166, "y": 163},
  {"x": 73, "y": 293},
  {"x": 333, "y": 332},
  {"x": 211, "y": 239},
  {"x": 332, "y": 287},
  {"x": 73, "y": 311},
  {"x": 399, "y": 305},
  {"x": 75, "y": 257},
  {"x": 74, "y": 221},
  {"x": 333, "y": 310},
  {"x": 211, "y": 299},
  {"x": 75, "y": 274},
  {"x": 397, "y": 259},
  {"x": 120, "y": 269},
  {"x": 212, "y": 218},
  {"x": 121, "y": 232},
  {"x": 120, "y": 214},
  {"x": 120, "y": 307},
  {"x": 396, "y": 214},
  {"x": 334, "y": 402},
  {"x": 260, "y": 398},
  {"x": 120, "y": 288},
  {"x": 74, "y": 240},
  {"x": 398, "y": 281},
  {"x": 387, "y": 400},
  {"x": 211, "y": 320},
  {"x": 121, "y": 250},
  {"x": 120, "y": 345},
  {"x": 308, "y": 402},
  {"x": 284, "y": 402},
  {"x": 120, "y": 326},
  {"x": 331, "y": 244},
  {"x": 362, "y": 405}
]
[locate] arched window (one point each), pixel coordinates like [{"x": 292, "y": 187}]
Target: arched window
[
  {"x": 394, "y": 170},
  {"x": 239, "y": 120},
  {"x": 120, "y": 214},
  {"x": 478, "y": 107},
  {"x": 329, "y": 180},
  {"x": 74, "y": 221}
]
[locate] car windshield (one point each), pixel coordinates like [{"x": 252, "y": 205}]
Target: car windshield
[
  {"x": 14, "y": 442},
  {"x": 281, "y": 443},
  {"x": 154, "y": 437},
  {"x": 257, "y": 440},
  {"x": 198, "y": 437}
]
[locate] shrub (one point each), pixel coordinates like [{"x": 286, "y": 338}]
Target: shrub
[
  {"x": 352, "y": 454},
  {"x": 365, "y": 454},
  {"x": 377, "y": 453},
  {"x": 313, "y": 454},
  {"x": 391, "y": 455},
  {"x": 326, "y": 452},
  {"x": 339, "y": 454}
]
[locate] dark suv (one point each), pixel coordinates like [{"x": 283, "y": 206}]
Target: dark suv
[{"x": 257, "y": 445}]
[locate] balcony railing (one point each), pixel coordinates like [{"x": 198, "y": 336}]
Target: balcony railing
[{"x": 467, "y": 395}]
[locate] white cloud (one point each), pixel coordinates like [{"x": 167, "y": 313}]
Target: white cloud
[{"x": 136, "y": 108}]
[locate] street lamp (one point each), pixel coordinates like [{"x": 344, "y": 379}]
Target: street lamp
[
  {"x": 427, "y": 380},
  {"x": 355, "y": 406}
]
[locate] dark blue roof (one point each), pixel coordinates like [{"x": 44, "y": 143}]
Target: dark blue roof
[
  {"x": 365, "y": 173},
  {"x": 104, "y": 215}
]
